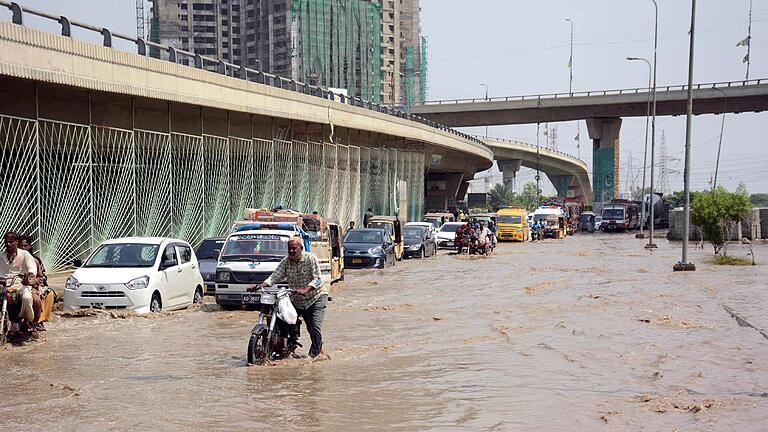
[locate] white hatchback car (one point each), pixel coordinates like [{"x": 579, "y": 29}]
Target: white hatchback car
[
  {"x": 447, "y": 234},
  {"x": 142, "y": 274}
]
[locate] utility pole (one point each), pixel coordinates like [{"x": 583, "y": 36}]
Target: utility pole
[
  {"x": 651, "y": 244},
  {"x": 570, "y": 61},
  {"x": 684, "y": 265},
  {"x": 720, "y": 141},
  {"x": 486, "y": 99},
  {"x": 641, "y": 234},
  {"x": 538, "y": 166},
  {"x": 664, "y": 166}
]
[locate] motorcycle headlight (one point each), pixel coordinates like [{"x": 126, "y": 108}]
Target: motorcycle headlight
[
  {"x": 375, "y": 250},
  {"x": 71, "y": 284},
  {"x": 138, "y": 283},
  {"x": 223, "y": 276}
]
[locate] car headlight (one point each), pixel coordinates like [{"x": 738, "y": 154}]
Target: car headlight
[
  {"x": 209, "y": 276},
  {"x": 71, "y": 284},
  {"x": 414, "y": 247},
  {"x": 138, "y": 283},
  {"x": 375, "y": 250},
  {"x": 223, "y": 276}
]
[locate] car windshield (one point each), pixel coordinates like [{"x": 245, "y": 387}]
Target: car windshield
[
  {"x": 436, "y": 222},
  {"x": 359, "y": 236},
  {"x": 510, "y": 219},
  {"x": 613, "y": 213},
  {"x": 413, "y": 232},
  {"x": 123, "y": 255},
  {"x": 386, "y": 226},
  {"x": 209, "y": 249},
  {"x": 254, "y": 246},
  {"x": 450, "y": 228}
]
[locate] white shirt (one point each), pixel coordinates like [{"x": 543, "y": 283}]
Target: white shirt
[{"x": 22, "y": 263}]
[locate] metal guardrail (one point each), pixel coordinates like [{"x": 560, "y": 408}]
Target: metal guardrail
[
  {"x": 532, "y": 146},
  {"x": 704, "y": 86},
  {"x": 144, "y": 46}
]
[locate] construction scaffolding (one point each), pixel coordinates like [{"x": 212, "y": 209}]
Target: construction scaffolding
[
  {"x": 423, "y": 72},
  {"x": 337, "y": 43}
]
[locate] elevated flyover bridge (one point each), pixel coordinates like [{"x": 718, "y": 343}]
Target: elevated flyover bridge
[
  {"x": 97, "y": 143},
  {"x": 603, "y": 111},
  {"x": 569, "y": 175}
]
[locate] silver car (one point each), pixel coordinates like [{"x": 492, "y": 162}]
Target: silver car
[{"x": 208, "y": 257}]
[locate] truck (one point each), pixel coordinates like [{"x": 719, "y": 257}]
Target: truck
[
  {"x": 554, "y": 220},
  {"x": 620, "y": 215},
  {"x": 659, "y": 211},
  {"x": 512, "y": 224}
]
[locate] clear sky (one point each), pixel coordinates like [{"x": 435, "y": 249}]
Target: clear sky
[{"x": 521, "y": 47}]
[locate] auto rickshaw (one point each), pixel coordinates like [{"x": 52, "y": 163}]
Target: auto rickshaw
[
  {"x": 587, "y": 221},
  {"x": 390, "y": 224}
]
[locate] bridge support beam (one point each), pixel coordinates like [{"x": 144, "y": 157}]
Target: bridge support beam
[
  {"x": 444, "y": 189},
  {"x": 509, "y": 169},
  {"x": 604, "y": 132},
  {"x": 564, "y": 185}
]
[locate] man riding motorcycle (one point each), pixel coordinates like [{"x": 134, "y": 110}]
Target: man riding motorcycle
[{"x": 20, "y": 268}]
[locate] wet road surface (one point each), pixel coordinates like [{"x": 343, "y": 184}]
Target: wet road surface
[{"x": 587, "y": 333}]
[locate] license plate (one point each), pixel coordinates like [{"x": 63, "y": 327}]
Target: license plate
[
  {"x": 357, "y": 261},
  {"x": 251, "y": 298}
]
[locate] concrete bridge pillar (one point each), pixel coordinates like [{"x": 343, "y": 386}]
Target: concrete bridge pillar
[
  {"x": 604, "y": 132},
  {"x": 564, "y": 185},
  {"x": 509, "y": 169}
]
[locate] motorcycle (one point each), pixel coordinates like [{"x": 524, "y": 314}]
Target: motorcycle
[
  {"x": 10, "y": 322},
  {"x": 537, "y": 234},
  {"x": 273, "y": 337}
]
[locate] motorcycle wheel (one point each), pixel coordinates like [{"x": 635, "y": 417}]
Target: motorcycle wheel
[
  {"x": 5, "y": 326},
  {"x": 258, "y": 350}
]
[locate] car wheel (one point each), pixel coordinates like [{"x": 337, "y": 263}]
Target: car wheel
[
  {"x": 155, "y": 305},
  {"x": 198, "y": 299}
]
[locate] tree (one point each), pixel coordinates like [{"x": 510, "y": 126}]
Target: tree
[
  {"x": 529, "y": 197},
  {"x": 500, "y": 195},
  {"x": 716, "y": 211},
  {"x": 759, "y": 200}
]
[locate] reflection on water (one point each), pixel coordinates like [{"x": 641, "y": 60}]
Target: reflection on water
[{"x": 589, "y": 332}]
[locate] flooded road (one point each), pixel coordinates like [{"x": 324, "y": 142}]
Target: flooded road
[{"x": 587, "y": 333}]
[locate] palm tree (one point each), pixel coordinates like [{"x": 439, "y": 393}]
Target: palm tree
[{"x": 500, "y": 195}]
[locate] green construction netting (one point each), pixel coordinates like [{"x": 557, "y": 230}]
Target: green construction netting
[
  {"x": 337, "y": 43},
  {"x": 82, "y": 184}
]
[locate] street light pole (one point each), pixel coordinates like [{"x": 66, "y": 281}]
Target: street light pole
[
  {"x": 570, "y": 61},
  {"x": 684, "y": 265},
  {"x": 645, "y": 152},
  {"x": 651, "y": 244},
  {"x": 538, "y": 190},
  {"x": 486, "y": 99},
  {"x": 720, "y": 141}
]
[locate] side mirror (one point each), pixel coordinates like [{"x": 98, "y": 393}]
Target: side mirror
[
  {"x": 77, "y": 263},
  {"x": 167, "y": 264}
]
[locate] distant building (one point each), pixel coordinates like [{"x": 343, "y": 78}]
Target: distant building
[
  {"x": 372, "y": 48},
  {"x": 477, "y": 200}
]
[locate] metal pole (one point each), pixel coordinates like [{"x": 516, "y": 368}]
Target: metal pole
[
  {"x": 651, "y": 244},
  {"x": 486, "y": 99},
  {"x": 720, "y": 141},
  {"x": 570, "y": 62},
  {"x": 645, "y": 152},
  {"x": 538, "y": 157},
  {"x": 684, "y": 265},
  {"x": 749, "y": 39}
]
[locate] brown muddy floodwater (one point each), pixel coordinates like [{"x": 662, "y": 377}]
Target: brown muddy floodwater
[{"x": 587, "y": 333}]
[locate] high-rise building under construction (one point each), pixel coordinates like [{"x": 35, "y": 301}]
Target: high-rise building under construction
[{"x": 372, "y": 48}]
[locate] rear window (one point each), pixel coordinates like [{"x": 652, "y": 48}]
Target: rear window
[{"x": 207, "y": 248}]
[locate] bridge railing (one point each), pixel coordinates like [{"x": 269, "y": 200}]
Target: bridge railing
[
  {"x": 175, "y": 55},
  {"x": 703, "y": 86},
  {"x": 533, "y": 146}
]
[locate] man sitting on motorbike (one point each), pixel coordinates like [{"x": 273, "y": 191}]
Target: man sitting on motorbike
[
  {"x": 19, "y": 266},
  {"x": 25, "y": 243},
  {"x": 302, "y": 272},
  {"x": 483, "y": 234}
]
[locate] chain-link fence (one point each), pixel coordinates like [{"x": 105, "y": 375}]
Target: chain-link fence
[{"x": 71, "y": 186}]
